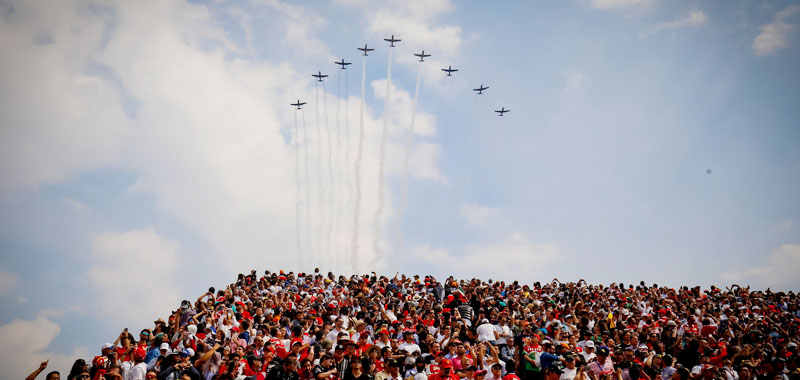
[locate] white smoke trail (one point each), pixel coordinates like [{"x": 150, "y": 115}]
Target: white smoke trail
[
  {"x": 300, "y": 256},
  {"x": 376, "y": 230},
  {"x": 402, "y": 211},
  {"x": 331, "y": 188},
  {"x": 308, "y": 189},
  {"x": 359, "y": 157},
  {"x": 347, "y": 152},
  {"x": 320, "y": 205},
  {"x": 337, "y": 164}
]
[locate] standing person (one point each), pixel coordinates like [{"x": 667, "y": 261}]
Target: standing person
[{"x": 529, "y": 355}]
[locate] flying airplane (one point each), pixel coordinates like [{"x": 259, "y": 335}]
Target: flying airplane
[
  {"x": 480, "y": 89},
  {"x": 391, "y": 40},
  {"x": 422, "y": 56},
  {"x": 298, "y": 104},
  {"x": 365, "y": 49},
  {"x": 319, "y": 76},
  {"x": 450, "y": 70},
  {"x": 343, "y": 64},
  {"x": 502, "y": 111}
]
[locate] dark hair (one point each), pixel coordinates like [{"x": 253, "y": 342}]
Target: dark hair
[
  {"x": 51, "y": 374},
  {"x": 77, "y": 368}
]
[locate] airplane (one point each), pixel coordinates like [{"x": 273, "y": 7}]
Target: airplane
[
  {"x": 422, "y": 56},
  {"x": 502, "y": 111},
  {"x": 480, "y": 89},
  {"x": 391, "y": 40},
  {"x": 298, "y": 104},
  {"x": 319, "y": 76},
  {"x": 343, "y": 64},
  {"x": 450, "y": 70},
  {"x": 365, "y": 49}
]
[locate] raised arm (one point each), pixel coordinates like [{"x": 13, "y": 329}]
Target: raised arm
[{"x": 39, "y": 370}]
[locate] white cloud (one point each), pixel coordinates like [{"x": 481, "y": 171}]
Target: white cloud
[
  {"x": 8, "y": 281},
  {"x": 138, "y": 187},
  {"x": 618, "y": 4},
  {"x": 301, "y": 26},
  {"x": 417, "y": 23},
  {"x": 134, "y": 275},
  {"x": 478, "y": 215},
  {"x": 778, "y": 272},
  {"x": 514, "y": 257},
  {"x": 80, "y": 124},
  {"x": 776, "y": 35},
  {"x": 785, "y": 225},
  {"x": 76, "y": 204},
  {"x": 693, "y": 19},
  {"x": 25, "y": 344},
  {"x": 574, "y": 81},
  {"x": 208, "y": 137}
]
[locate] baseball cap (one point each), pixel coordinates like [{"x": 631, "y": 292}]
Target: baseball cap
[
  {"x": 481, "y": 372},
  {"x": 602, "y": 351},
  {"x": 164, "y": 346},
  {"x": 446, "y": 363},
  {"x": 106, "y": 345},
  {"x": 589, "y": 344}
]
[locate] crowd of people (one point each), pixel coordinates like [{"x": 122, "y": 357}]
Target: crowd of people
[{"x": 310, "y": 326}]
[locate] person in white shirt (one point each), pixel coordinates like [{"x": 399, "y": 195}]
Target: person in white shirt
[
  {"x": 570, "y": 371},
  {"x": 588, "y": 351},
  {"x": 409, "y": 345},
  {"x": 486, "y": 332}
]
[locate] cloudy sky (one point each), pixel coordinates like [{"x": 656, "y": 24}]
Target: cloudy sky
[{"x": 148, "y": 149}]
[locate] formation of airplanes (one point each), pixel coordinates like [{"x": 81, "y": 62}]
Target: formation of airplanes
[{"x": 391, "y": 40}]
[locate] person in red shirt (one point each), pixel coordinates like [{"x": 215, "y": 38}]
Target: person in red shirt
[{"x": 446, "y": 368}]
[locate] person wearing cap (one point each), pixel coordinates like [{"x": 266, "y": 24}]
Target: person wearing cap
[
  {"x": 447, "y": 372},
  {"x": 552, "y": 373},
  {"x": 391, "y": 371},
  {"x": 340, "y": 359},
  {"x": 570, "y": 370},
  {"x": 495, "y": 372},
  {"x": 480, "y": 374},
  {"x": 419, "y": 367},
  {"x": 138, "y": 368},
  {"x": 603, "y": 364}
]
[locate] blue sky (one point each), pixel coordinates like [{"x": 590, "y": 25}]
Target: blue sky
[{"x": 149, "y": 149}]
